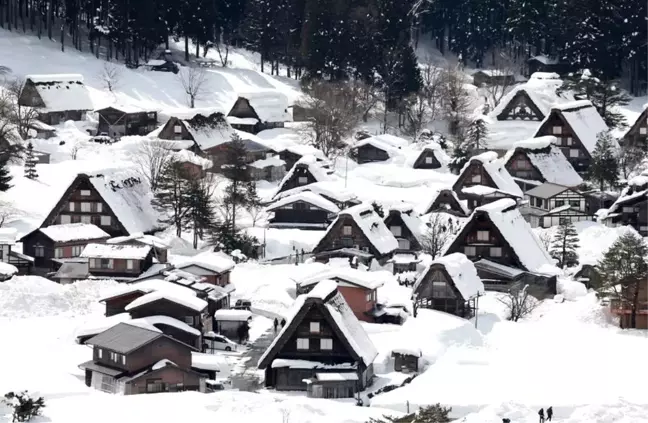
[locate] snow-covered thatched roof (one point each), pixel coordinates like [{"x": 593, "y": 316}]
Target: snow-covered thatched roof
[
  {"x": 116, "y": 251},
  {"x": 547, "y": 159},
  {"x": 73, "y": 232},
  {"x": 329, "y": 189},
  {"x": 186, "y": 156},
  {"x": 362, "y": 278},
  {"x": 410, "y": 219},
  {"x": 316, "y": 168},
  {"x": 270, "y": 105},
  {"x": 462, "y": 271},
  {"x": 306, "y": 197},
  {"x": 494, "y": 167},
  {"x": 209, "y": 131},
  {"x": 541, "y": 89},
  {"x": 61, "y": 92},
  {"x": 389, "y": 143},
  {"x": 636, "y": 191}
]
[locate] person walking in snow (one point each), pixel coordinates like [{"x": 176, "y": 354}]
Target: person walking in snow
[
  {"x": 541, "y": 414},
  {"x": 276, "y": 324},
  {"x": 283, "y": 323},
  {"x": 549, "y": 413}
]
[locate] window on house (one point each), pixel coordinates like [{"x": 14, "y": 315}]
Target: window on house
[
  {"x": 106, "y": 263},
  {"x": 39, "y": 251},
  {"x": 428, "y": 160},
  {"x": 347, "y": 230},
  {"x": 105, "y": 220},
  {"x": 130, "y": 264},
  {"x": 302, "y": 343},
  {"x": 58, "y": 252},
  {"x": 470, "y": 251},
  {"x": 85, "y": 192},
  {"x": 476, "y": 178},
  {"x": 559, "y": 203},
  {"x": 574, "y": 152},
  {"x": 76, "y": 250},
  {"x": 65, "y": 219},
  {"x": 75, "y": 218},
  {"x": 113, "y": 356},
  {"x": 151, "y": 115},
  {"x": 177, "y": 129},
  {"x": 628, "y": 210},
  {"x": 403, "y": 244},
  {"x": 368, "y": 296},
  {"x": 71, "y": 206},
  {"x": 569, "y": 141},
  {"x": 522, "y": 164},
  {"x": 314, "y": 327},
  {"x": 302, "y": 180},
  {"x": 396, "y": 230},
  {"x": 86, "y": 207},
  {"x": 326, "y": 344},
  {"x": 86, "y": 219},
  {"x": 93, "y": 263},
  {"x": 99, "y": 352},
  {"x": 538, "y": 202},
  {"x": 575, "y": 204},
  {"x": 288, "y": 207},
  {"x": 496, "y": 252},
  {"x": 483, "y": 236},
  {"x": 643, "y": 131},
  {"x": 189, "y": 320},
  {"x": 440, "y": 289},
  {"x": 556, "y": 130},
  {"x": 123, "y": 358},
  {"x": 98, "y": 207}
]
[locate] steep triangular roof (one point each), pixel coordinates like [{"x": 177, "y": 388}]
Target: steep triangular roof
[
  {"x": 61, "y": 92},
  {"x": 434, "y": 150},
  {"x": 583, "y": 119},
  {"x": 515, "y": 231},
  {"x": 209, "y": 131},
  {"x": 390, "y": 144},
  {"x": 306, "y": 197},
  {"x": 494, "y": 167},
  {"x": 455, "y": 204},
  {"x": 268, "y": 105},
  {"x": 547, "y": 159},
  {"x": 540, "y": 89},
  {"x": 331, "y": 190},
  {"x": 642, "y": 118},
  {"x": 326, "y": 297},
  {"x": 307, "y": 164},
  {"x": 410, "y": 218},
  {"x": 462, "y": 272},
  {"x": 636, "y": 191},
  {"x": 371, "y": 225}
]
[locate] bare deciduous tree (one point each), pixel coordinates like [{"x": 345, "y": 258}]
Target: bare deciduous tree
[
  {"x": 441, "y": 231},
  {"x": 455, "y": 100},
  {"x": 193, "y": 81},
  {"x": 257, "y": 212},
  {"x": 333, "y": 114},
  {"x": 423, "y": 107},
  {"x": 8, "y": 212},
  {"x": 22, "y": 117},
  {"x": 74, "y": 152},
  {"x": 110, "y": 76},
  {"x": 545, "y": 240},
  {"x": 519, "y": 303},
  {"x": 629, "y": 157},
  {"x": 502, "y": 66},
  {"x": 152, "y": 158}
]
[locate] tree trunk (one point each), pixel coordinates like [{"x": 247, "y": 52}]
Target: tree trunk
[{"x": 186, "y": 49}]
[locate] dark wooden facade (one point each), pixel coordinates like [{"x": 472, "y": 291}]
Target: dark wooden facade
[
  {"x": 446, "y": 202},
  {"x": 326, "y": 345},
  {"x": 589, "y": 276},
  {"x": 473, "y": 175},
  {"x": 37, "y": 245},
  {"x": 568, "y": 142},
  {"x": 301, "y": 214},
  {"x": 119, "y": 267},
  {"x": 637, "y": 135},
  {"x": 437, "y": 291},
  {"x": 540, "y": 208},
  {"x": 300, "y": 177},
  {"x": 346, "y": 233},
  {"x": 405, "y": 363},
  {"x": 427, "y": 160},
  {"x": 521, "y": 107},
  {"x": 369, "y": 153},
  {"x": 22, "y": 262},
  {"x": 99, "y": 214},
  {"x": 165, "y": 307},
  {"x": 536, "y": 64},
  {"x": 117, "y": 123},
  {"x": 492, "y": 78},
  {"x": 633, "y": 212},
  {"x": 407, "y": 241},
  {"x": 520, "y": 166},
  {"x": 175, "y": 130}
]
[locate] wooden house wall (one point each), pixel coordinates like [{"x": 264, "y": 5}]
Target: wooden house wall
[
  {"x": 395, "y": 219},
  {"x": 116, "y": 121},
  {"x": 445, "y": 197},
  {"x": 368, "y": 153},
  {"x": 290, "y": 158},
  {"x": 149, "y": 354},
  {"x": 173, "y": 378},
  {"x": 635, "y": 215},
  {"x": 168, "y": 131},
  {"x": 520, "y": 166},
  {"x": 468, "y": 238},
  {"x": 360, "y": 300},
  {"x": 38, "y": 239},
  {"x": 120, "y": 267},
  {"x": 63, "y": 209},
  {"x": 567, "y": 197},
  {"x": 293, "y": 181},
  {"x": 29, "y": 96},
  {"x": 300, "y": 212},
  {"x": 638, "y": 134},
  {"x": 118, "y": 305},
  {"x": 465, "y": 179},
  {"x": 55, "y": 118},
  {"x": 521, "y": 107},
  {"x": 218, "y": 155},
  {"x": 453, "y": 303},
  {"x": 421, "y": 160},
  {"x": 243, "y": 109},
  {"x": 568, "y": 141},
  {"x": 335, "y": 238}
]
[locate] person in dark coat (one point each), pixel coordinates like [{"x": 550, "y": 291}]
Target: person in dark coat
[
  {"x": 541, "y": 414},
  {"x": 506, "y": 420},
  {"x": 276, "y": 324},
  {"x": 283, "y": 323},
  {"x": 549, "y": 413}
]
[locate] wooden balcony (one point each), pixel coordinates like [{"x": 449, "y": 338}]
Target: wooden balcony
[{"x": 622, "y": 307}]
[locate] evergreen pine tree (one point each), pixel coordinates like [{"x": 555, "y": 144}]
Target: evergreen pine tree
[
  {"x": 201, "y": 214},
  {"x": 564, "y": 244},
  {"x": 624, "y": 269},
  {"x": 172, "y": 197},
  {"x": 30, "y": 163},
  {"x": 603, "y": 167},
  {"x": 5, "y": 176},
  {"x": 476, "y": 134},
  {"x": 460, "y": 156},
  {"x": 241, "y": 190}
]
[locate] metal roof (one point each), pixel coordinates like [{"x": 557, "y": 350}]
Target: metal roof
[
  {"x": 546, "y": 190},
  {"x": 123, "y": 338}
]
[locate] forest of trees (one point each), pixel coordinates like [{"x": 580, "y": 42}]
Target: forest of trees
[{"x": 368, "y": 39}]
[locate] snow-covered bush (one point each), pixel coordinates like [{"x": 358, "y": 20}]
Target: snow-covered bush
[{"x": 24, "y": 406}]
